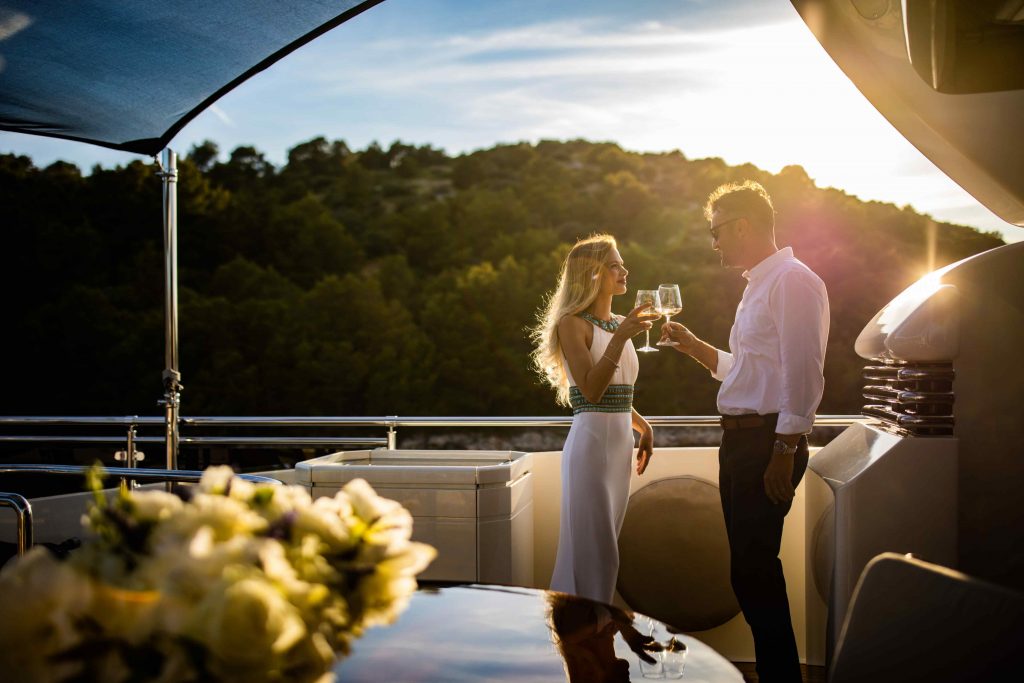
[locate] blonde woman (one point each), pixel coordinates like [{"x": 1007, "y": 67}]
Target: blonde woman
[{"x": 586, "y": 353}]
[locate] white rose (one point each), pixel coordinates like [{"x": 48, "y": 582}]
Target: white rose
[
  {"x": 154, "y": 506},
  {"x": 130, "y": 615},
  {"x": 366, "y": 503},
  {"x": 187, "y": 573},
  {"x": 328, "y": 519},
  {"x": 285, "y": 500},
  {"x": 247, "y": 626},
  {"x": 215, "y": 479},
  {"x": 40, "y": 601},
  {"x": 227, "y": 518},
  {"x": 385, "y": 593},
  {"x": 310, "y": 563}
]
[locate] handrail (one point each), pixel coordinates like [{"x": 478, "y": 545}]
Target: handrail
[
  {"x": 390, "y": 422},
  {"x": 23, "y": 509},
  {"x": 136, "y": 473},
  {"x": 382, "y": 421},
  {"x": 297, "y": 441},
  {"x": 67, "y": 421}
]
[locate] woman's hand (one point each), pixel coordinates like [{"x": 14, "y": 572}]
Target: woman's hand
[
  {"x": 645, "y": 449},
  {"x": 639, "y": 643},
  {"x": 639, "y": 320}
]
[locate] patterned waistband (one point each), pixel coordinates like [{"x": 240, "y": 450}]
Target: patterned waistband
[{"x": 618, "y": 398}]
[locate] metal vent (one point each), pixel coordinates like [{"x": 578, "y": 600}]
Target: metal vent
[{"x": 910, "y": 399}]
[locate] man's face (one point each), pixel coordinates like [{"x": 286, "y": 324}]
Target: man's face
[{"x": 726, "y": 239}]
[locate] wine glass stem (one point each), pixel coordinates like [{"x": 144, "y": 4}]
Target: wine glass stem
[{"x": 647, "y": 341}]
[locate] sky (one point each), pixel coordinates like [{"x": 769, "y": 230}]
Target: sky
[{"x": 744, "y": 80}]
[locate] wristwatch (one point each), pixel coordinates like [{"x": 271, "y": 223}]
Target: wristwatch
[{"x": 782, "y": 448}]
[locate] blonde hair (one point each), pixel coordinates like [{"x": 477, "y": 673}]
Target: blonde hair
[{"x": 578, "y": 286}]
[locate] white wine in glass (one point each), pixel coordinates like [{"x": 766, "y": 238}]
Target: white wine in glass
[
  {"x": 648, "y": 296},
  {"x": 671, "y": 304}
]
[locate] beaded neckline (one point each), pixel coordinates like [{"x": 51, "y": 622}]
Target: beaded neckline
[{"x": 606, "y": 325}]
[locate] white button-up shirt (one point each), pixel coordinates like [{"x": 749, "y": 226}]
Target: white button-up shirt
[{"x": 777, "y": 344}]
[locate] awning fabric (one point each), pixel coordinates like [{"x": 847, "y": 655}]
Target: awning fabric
[
  {"x": 975, "y": 139},
  {"x": 129, "y": 74}
]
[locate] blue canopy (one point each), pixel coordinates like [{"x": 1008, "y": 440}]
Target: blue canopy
[{"x": 129, "y": 74}]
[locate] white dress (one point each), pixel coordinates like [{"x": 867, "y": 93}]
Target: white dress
[{"x": 596, "y": 463}]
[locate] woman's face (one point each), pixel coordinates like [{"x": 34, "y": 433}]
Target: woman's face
[{"x": 613, "y": 274}]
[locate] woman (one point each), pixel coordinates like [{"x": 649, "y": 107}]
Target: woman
[
  {"x": 584, "y": 633},
  {"x": 587, "y": 355}
]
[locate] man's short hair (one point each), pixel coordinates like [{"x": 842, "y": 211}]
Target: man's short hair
[{"x": 748, "y": 199}]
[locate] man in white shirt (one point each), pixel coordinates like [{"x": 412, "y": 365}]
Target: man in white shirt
[{"x": 772, "y": 383}]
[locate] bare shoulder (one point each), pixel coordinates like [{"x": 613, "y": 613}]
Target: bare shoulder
[
  {"x": 574, "y": 332},
  {"x": 572, "y": 325}
]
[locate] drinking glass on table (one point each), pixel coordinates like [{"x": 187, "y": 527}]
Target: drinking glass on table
[
  {"x": 648, "y": 296},
  {"x": 655, "y": 669},
  {"x": 671, "y": 304},
  {"x": 674, "y": 658}
]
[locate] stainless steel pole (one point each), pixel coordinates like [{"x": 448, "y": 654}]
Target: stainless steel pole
[
  {"x": 23, "y": 509},
  {"x": 171, "y": 376}
]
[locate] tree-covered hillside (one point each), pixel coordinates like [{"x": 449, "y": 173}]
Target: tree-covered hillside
[{"x": 397, "y": 281}]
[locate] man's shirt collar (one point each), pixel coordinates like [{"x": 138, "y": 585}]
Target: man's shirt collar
[{"x": 769, "y": 264}]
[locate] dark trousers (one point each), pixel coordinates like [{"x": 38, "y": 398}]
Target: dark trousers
[{"x": 754, "y": 526}]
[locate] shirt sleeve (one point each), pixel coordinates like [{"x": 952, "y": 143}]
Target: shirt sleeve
[
  {"x": 799, "y": 305},
  {"x": 725, "y": 363}
]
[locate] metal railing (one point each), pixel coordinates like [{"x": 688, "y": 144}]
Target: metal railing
[
  {"x": 23, "y": 510},
  {"x": 138, "y": 474},
  {"x": 389, "y": 422},
  {"x": 131, "y": 473}
]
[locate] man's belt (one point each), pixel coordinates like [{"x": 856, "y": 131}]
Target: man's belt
[{"x": 745, "y": 421}]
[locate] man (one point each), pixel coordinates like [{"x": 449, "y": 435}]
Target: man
[{"x": 772, "y": 384}]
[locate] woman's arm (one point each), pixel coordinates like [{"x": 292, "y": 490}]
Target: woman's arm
[
  {"x": 593, "y": 378},
  {"x": 645, "y": 449}
]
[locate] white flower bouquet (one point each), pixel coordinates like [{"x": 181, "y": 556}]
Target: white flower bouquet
[{"x": 238, "y": 582}]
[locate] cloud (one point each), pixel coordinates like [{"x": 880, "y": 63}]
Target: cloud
[
  {"x": 12, "y": 22},
  {"x": 221, "y": 114}
]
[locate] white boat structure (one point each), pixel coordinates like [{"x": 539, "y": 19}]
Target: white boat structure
[{"x": 933, "y": 467}]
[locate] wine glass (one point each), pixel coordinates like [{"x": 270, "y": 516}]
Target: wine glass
[
  {"x": 671, "y": 304},
  {"x": 648, "y": 296}
]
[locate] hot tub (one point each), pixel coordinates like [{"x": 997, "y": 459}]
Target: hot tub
[{"x": 475, "y": 507}]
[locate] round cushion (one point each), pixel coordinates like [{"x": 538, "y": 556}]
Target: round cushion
[{"x": 674, "y": 555}]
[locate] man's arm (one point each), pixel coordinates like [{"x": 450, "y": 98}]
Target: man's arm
[
  {"x": 715, "y": 360},
  {"x": 799, "y": 307}
]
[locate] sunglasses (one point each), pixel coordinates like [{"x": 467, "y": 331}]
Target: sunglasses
[{"x": 716, "y": 228}]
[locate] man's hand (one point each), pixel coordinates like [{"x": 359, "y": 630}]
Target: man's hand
[
  {"x": 778, "y": 478},
  {"x": 679, "y": 335},
  {"x": 645, "y": 449}
]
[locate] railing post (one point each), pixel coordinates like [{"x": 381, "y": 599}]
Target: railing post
[
  {"x": 392, "y": 434},
  {"x": 171, "y": 376}
]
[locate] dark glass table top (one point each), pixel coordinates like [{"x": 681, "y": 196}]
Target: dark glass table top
[{"x": 491, "y": 633}]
